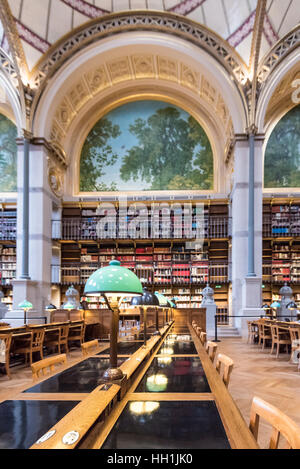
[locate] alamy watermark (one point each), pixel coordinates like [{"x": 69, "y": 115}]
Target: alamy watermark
[{"x": 157, "y": 221}]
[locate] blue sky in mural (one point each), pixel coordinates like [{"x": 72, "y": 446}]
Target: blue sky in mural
[
  {"x": 124, "y": 116},
  {"x": 146, "y": 145}
]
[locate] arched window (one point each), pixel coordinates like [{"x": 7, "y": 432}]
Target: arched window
[
  {"x": 8, "y": 155},
  {"x": 282, "y": 158},
  {"x": 146, "y": 145}
]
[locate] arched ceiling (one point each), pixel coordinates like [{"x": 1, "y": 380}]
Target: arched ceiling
[{"x": 42, "y": 23}]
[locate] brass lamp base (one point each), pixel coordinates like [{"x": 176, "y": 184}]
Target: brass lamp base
[{"x": 112, "y": 374}]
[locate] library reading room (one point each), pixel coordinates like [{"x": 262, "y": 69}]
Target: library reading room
[{"x": 150, "y": 309}]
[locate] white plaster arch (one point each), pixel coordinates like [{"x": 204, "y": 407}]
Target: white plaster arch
[
  {"x": 270, "y": 87},
  {"x": 11, "y": 108},
  {"x": 88, "y": 117},
  {"x": 131, "y": 43}
]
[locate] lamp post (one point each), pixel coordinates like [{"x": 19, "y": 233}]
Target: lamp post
[
  {"x": 275, "y": 305},
  {"x": 113, "y": 283},
  {"x": 148, "y": 299},
  {"x": 26, "y": 306},
  {"x": 163, "y": 302},
  {"x": 50, "y": 308}
]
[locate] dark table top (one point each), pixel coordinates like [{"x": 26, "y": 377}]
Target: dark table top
[
  {"x": 124, "y": 348},
  {"x": 168, "y": 425},
  {"x": 80, "y": 378},
  {"x": 173, "y": 346},
  {"x": 174, "y": 374},
  {"x": 22, "y": 423}
]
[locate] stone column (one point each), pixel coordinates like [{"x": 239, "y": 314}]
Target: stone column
[
  {"x": 35, "y": 284},
  {"x": 246, "y": 286}
]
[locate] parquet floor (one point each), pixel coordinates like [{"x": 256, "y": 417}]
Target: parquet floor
[{"x": 257, "y": 373}]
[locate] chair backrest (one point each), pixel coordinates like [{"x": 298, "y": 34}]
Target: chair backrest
[
  {"x": 203, "y": 337},
  {"x": 43, "y": 366},
  {"x": 87, "y": 346},
  {"x": 6, "y": 339},
  {"x": 227, "y": 367},
  {"x": 211, "y": 349},
  {"x": 64, "y": 332},
  {"x": 294, "y": 333},
  {"x": 281, "y": 424},
  {"x": 38, "y": 338}
]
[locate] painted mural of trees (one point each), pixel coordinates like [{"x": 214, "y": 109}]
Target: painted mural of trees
[
  {"x": 169, "y": 151},
  {"x": 282, "y": 158},
  {"x": 164, "y": 155},
  {"x": 8, "y": 155},
  {"x": 96, "y": 155}
]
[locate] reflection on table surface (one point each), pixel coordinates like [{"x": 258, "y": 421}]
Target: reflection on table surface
[
  {"x": 125, "y": 348},
  {"x": 173, "y": 346},
  {"x": 174, "y": 374},
  {"x": 80, "y": 378},
  {"x": 168, "y": 425},
  {"x": 22, "y": 423}
]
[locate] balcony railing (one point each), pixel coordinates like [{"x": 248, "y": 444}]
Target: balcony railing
[
  {"x": 78, "y": 229},
  {"x": 174, "y": 275},
  {"x": 281, "y": 225},
  {"x": 8, "y": 229}
]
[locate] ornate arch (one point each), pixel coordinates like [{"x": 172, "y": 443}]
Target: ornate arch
[{"x": 160, "y": 22}]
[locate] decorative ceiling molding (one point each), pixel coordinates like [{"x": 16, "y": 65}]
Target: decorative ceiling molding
[
  {"x": 13, "y": 38},
  {"x": 8, "y": 67},
  {"x": 139, "y": 21},
  {"x": 278, "y": 53},
  {"x": 132, "y": 68},
  {"x": 255, "y": 52}
]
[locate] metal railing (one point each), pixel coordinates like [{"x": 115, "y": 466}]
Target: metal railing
[
  {"x": 281, "y": 225},
  {"x": 91, "y": 228},
  {"x": 8, "y": 229},
  {"x": 175, "y": 274}
]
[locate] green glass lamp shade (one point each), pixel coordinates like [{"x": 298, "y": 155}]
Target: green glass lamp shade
[
  {"x": 50, "y": 307},
  {"x": 172, "y": 304},
  {"x": 162, "y": 299},
  {"x": 25, "y": 305},
  {"x": 275, "y": 304},
  {"x": 113, "y": 279},
  {"x": 68, "y": 306}
]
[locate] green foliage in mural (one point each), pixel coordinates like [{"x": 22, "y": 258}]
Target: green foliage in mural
[
  {"x": 8, "y": 155},
  {"x": 96, "y": 155},
  {"x": 164, "y": 154},
  {"x": 282, "y": 158},
  {"x": 147, "y": 145}
]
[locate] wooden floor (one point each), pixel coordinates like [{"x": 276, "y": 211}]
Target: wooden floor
[{"x": 255, "y": 373}]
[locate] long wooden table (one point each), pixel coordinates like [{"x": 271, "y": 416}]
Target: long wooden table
[{"x": 32, "y": 402}]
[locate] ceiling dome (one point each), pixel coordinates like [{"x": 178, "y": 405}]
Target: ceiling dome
[{"x": 40, "y": 24}]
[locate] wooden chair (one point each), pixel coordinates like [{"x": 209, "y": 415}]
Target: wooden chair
[
  {"x": 6, "y": 340},
  {"x": 63, "y": 338},
  {"x": 252, "y": 332},
  {"x": 87, "y": 346},
  {"x": 211, "y": 349},
  {"x": 22, "y": 344},
  {"x": 279, "y": 338},
  {"x": 295, "y": 342},
  {"x": 203, "y": 338},
  {"x": 281, "y": 423},
  {"x": 76, "y": 333},
  {"x": 227, "y": 367},
  {"x": 51, "y": 339},
  {"x": 264, "y": 334},
  {"x": 48, "y": 364}
]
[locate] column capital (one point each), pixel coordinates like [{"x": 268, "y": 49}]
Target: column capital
[{"x": 27, "y": 134}]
